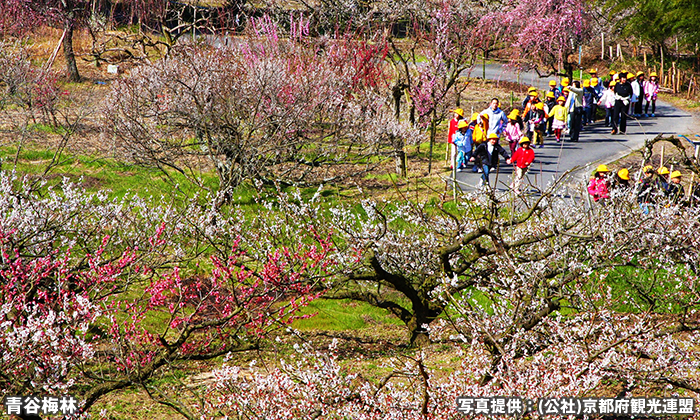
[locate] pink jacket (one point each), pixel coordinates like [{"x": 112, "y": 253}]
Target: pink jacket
[
  {"x": 513, "y": 132},
  {"x": 651, "y": 89},
  {"x": 598, "y": 188}
]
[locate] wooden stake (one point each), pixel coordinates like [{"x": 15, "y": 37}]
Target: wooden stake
[
  {"x": 55, "y": 52},
  {"x": 661, "y": 72},
  {"x": 662, "y": 157},
  {"x": 690, "y": 190},
  {"x": 673, "y": 77},
  {"x": 676, "y": 46},
  {"x": 602, "y": 46},
  {"x": 611, "y": 52},
  {"x": 645, "y": 59}
]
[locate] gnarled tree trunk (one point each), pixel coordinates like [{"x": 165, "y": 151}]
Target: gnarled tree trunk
[{"x": 71, "y": 67}]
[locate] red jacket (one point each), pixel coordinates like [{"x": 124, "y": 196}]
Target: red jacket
[
  {"x": 452, "y": 130},
  {"x": 523, "y": 158}
]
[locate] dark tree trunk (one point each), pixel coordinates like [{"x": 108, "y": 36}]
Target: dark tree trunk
[
  {"x": 71, "y": 67},
  {"x": 421, "y": 316},
  {"x": 569, "y": 70},
  {"x": 397, "y": 92}
]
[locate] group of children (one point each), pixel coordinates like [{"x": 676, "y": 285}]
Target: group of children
[
  {"x": 478, "y": 141},
  {"x": 566, "y": 108},
  {"x": 654, "y": 187}
]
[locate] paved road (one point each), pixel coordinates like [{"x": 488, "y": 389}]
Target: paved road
[{"x": 596, "y": 144}]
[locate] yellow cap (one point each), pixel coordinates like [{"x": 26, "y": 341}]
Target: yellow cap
[
  {"x": 624, "y": 174},
  {"x": 561, "y": 98},
  {"x": 513, "y": 114},
  {"x": 550, "y": 94},
  {"x": 552, "y": 83},
  {"x": 612, "y": 72},
  {"x": 492, "y": 136},
  {"x": 539, "y": 106},
  {"x": 462, "y": 124},
  {"x": 612, "y": 83},
  {"x": 459, "y": 111},
  {"x": 639, "y": 73},
  {"x": 565, "y": 81},
  {"x": 594, "y": 81},
  {"x": 676, "y": 174},
  {"x": 630, "y": 75},
  {"x": 593, "y": 71},
  {"x": 524, "y": 140},
  {"x": 531, "y": 89},
  {"x": 566, "y": 89},
  {"x": 602, "y": 168},
  {"x": 653, "y": 74},
  {"x": 648, "y": 169},
  {"x": 474, "y": 116},
  {"x": 663, "y": 171},
  {"x": 586, "y": 83}
]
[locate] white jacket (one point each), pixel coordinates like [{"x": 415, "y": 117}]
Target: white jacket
[{"x": 636, "y": 91}]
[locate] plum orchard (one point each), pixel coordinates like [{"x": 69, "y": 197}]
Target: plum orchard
[
  {"x": 558, "y": 299},
  {"x": 562, "y": 300},
  {"x": 297, "y": 110},
  {"x": 89, "y": 297}
]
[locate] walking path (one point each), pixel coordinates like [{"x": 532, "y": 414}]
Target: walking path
[{"x": 596, "y": 144}]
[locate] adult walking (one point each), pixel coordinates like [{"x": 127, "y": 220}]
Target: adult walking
[
  {"x": 575, "y": 99},
  {"x": 497, "y": 118},
  {"x": 623, "y": 93}
]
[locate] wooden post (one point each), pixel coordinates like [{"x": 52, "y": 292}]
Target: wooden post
[
  {"x": 690, "y": 189},
  {"x": 611, "y": 52},
  {"x": 454, "y": 178},
  {"x": 618, "y": 51},
  {"x": 673, "y": 77},
  {"x": 645, "y": 59},
  {"x": 661, "y": 72},
  {"x": 602, "y": 46},
  {"x": 676, "y": 46},
  {"x": 662, "y": 156},
  {"x": 690, "y": 86}
]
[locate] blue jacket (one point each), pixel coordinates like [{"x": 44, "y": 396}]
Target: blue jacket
[{"x": 464, "y": 141}]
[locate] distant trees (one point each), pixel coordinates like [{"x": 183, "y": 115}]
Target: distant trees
[
  {"x": 20, "y": 17},
  {"x": 541, "y": 34},
  {"x": 440, "y": 43},
  {"x": 153, "y": 17},
  {"x": 654, "y": 22},
  {"x": 298, "y": 110}
]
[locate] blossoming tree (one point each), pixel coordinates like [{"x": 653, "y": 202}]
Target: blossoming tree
[
  {"x": 541, "y": 34},
  {"x": 295, "y": 110},
  {"x": 96, "y": 294}
]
